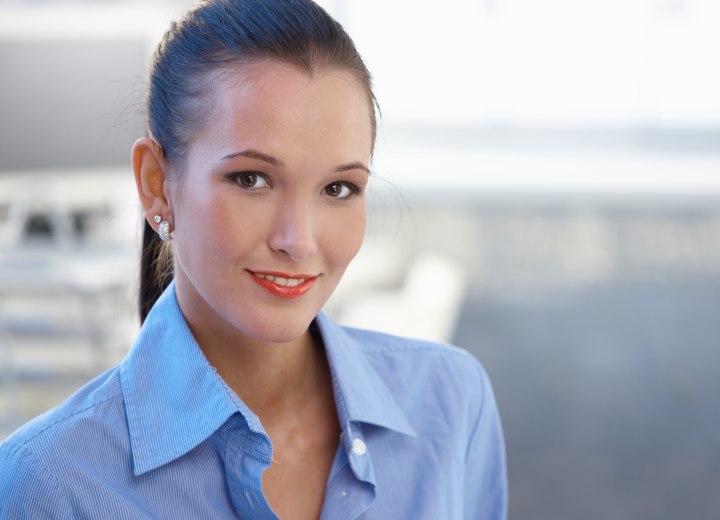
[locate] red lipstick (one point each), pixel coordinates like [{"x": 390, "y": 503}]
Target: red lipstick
[{"x": 283, "y": 285}]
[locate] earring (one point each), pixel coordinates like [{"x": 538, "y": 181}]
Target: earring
[{"x": 163, "y": 228}]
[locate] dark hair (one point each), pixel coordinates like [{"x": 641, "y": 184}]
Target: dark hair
[{"x": 213, "y": 36}]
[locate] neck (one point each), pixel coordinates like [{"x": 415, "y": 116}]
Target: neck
[{"x": 271, "y": 378}]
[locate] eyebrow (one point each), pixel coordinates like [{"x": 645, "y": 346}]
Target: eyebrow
[
  {"x": 255, "y": 154},
  {"x": 355, "y": 165}
]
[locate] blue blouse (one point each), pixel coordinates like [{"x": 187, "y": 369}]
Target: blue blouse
[{"x": 162, "y": 436}]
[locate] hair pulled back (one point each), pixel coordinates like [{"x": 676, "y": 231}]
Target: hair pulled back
[{"x": 214, "y": 36}]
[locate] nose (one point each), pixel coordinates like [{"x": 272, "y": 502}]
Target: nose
[{"x": 294, "y": 230}]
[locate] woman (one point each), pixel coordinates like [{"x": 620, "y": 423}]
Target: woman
[{"x": 240, "y": 397}]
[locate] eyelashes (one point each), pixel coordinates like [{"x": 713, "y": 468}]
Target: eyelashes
[
  {"x": 257, "y": 181},
  {"x": 250, "y": 180},
  {"x": 341, "y": 189}
]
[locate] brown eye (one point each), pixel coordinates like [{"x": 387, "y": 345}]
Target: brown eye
[
  {"x": 341, "y": 190},
  {"x": 250, "y": 180}
]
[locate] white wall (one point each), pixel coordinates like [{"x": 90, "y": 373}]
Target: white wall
[{"x": 587, "y": 62}]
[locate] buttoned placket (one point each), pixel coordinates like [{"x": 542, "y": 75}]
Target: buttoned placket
[
  {"x": 351, "y": 490},
  {"x": 246, "y": 454}
]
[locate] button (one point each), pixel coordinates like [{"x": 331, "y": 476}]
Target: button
[{"x": 358, "y": 447}]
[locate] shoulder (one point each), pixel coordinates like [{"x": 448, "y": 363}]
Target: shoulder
[
  {"x": 412, "y": 357},
  {"x": 39, "y": 462},
  {"x": 83, "y": 405},
  {"x": 88, "y": 418},
  {"x": 424, "y": 375},
  {"x": 28, "y": 487},
  {"x": 446, "y": 396}
]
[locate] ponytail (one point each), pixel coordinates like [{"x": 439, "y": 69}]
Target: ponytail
[{"x": 156, "y": 269}]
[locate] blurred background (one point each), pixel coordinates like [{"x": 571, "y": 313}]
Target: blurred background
[{"x": 546, "y": 194}]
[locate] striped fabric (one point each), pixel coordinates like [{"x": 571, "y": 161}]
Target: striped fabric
[{"x": 163, "y": 436}]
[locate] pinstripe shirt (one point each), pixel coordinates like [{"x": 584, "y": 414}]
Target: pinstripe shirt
[{"x": 162, "y": 436}]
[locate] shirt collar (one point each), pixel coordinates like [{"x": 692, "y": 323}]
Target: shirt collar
[
  {"x": 361, "y": 395},
  {"x": 174, "y": 398}
]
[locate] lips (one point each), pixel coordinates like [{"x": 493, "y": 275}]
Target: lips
[{"x": 284, "y": 285}]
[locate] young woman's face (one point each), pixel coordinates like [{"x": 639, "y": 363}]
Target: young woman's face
[{"x": 270, "y": 208}]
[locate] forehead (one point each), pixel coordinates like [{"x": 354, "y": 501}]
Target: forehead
[{"x": 279, "y": 104}]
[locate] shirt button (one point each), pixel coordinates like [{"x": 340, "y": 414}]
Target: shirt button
[{"x": 358, "y": 447}]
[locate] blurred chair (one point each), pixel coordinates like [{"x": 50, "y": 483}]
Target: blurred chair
[
  {"x": 62, "y": 288},
  {"x": 426, "y": 306}
]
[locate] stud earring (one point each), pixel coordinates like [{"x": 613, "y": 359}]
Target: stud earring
[{"x": 163, "y": 228}]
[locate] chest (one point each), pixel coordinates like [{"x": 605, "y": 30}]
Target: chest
[
  {"x": 228, "y": 478},
  {"x": 294, "y": 484}
]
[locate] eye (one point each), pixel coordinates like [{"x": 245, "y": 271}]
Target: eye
[
  {"x": 251, "y": 180},
  {"x": 341, "y": 190}
]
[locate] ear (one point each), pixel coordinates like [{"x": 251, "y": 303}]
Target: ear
[{"x": 150, "y": 168}]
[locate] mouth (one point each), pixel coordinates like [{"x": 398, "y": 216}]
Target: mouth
[{"x": 284, "y": 285}]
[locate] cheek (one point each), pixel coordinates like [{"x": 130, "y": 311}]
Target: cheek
[
  {"x": 346, "y": 236},
  {"x": 210, "y": 228}
]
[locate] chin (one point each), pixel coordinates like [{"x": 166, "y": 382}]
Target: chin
[
  {"x": 279, "y": 337},
  {"x": 277, "y": 329}
]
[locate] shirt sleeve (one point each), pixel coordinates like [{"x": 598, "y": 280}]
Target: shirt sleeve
[
  {"x": 28, "y": 489},
  {"x": 485, "y": 468}
]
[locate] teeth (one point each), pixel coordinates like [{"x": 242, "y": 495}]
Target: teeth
[{"x": 288, "y": 282}]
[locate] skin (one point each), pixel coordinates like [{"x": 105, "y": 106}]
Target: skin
[{"x": 274, "y": 182}]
